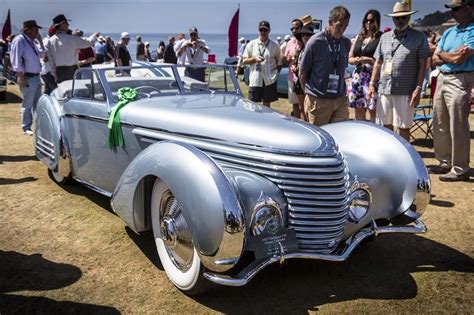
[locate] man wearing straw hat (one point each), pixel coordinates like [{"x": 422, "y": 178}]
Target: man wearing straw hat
[
  {"x": 25, "y": 60},
  {"x": 452, "y": 100},
  {"x": 400, "y": 63}
]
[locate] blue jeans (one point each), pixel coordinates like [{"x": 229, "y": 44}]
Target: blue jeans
[{"x": 31, "y": 94}]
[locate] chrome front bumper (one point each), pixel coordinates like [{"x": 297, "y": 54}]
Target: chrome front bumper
[{"x": 244, "y": 276}]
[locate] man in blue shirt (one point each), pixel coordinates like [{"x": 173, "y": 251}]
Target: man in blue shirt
[
  {"x": 25, "y": 60},
  {"x": 452, "y": 100}
]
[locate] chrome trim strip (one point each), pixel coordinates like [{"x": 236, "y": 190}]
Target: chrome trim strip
[
  {"x": 93, "y": 187},
  {"x": 45, "y": 147},
  {"x": 49, "y": 143},
  {"x": 243, "y": 277},
  {"x": 39, "y": 148}
]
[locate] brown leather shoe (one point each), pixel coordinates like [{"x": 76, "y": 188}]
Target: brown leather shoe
[
  {"x": 451, "y": 177},
  {"x": 441, "y": 168}
]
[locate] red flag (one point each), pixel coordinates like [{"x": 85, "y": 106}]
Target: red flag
[
  {"x": 7, "y": 27},
  {"x": 234, "y": 34}
]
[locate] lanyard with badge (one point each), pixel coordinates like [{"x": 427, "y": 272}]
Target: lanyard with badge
[
  {"x": 333, "y": 83},
  {"x": 261, "y": 52},
  {"x": 388, "y": 65}
]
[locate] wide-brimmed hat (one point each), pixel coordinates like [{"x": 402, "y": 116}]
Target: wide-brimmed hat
[
  {"x": 401, "y": 9},
  {"x": 59, "y": 19},
  {"x": 307, "y": 20},
  {"x": 29, "y": 24},
  {"x": 456, "y": 3}
]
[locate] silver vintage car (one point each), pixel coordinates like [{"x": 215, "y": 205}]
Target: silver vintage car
[{"x": 227, "y": 186}]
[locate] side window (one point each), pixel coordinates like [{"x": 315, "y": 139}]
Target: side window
[{"x": 87, "y": 85}]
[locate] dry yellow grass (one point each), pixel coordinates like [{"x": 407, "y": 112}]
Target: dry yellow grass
[{"x": 62, "y": 250}]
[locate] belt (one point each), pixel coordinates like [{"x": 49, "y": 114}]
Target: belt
[
  {"x": 455, "y": 72},
  {"x": 30, "y": 75}
]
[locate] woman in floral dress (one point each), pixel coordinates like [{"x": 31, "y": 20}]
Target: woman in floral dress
[{"x": 362, "y": 56}]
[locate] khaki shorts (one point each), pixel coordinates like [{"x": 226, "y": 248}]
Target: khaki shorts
[
  {"x": 321, "y": 111},
  {"x": 395, "y": 110}
]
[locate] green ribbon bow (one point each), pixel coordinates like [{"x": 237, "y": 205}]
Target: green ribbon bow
[{"x": 125, "y": 96}]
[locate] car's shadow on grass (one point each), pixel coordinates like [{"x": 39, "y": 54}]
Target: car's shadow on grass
[
  {"x": 21, "y": 272},
  {"x": 379, "y": 270}
]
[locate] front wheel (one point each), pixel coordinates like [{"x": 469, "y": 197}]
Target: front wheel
[
  {"x": 61, "y": 180},
  {"x": 174, "y": 242}
]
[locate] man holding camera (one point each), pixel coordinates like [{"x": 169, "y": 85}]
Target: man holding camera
[
  {"x": 194, "y": 49},
  {"x": 263, "y": 56}
]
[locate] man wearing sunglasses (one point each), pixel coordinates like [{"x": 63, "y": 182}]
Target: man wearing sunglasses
[
  {"x": 194, "y": 49},
  {"x": 452, "y": 100},
  {"x": 400, "y": 63},
  {"x": 263, "y": 56}
]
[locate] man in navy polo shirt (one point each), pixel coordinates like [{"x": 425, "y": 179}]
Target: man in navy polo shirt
[{"x": 452, "y": 100}]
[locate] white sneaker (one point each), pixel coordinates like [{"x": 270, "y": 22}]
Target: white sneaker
[{"x": 28, "y": 132}]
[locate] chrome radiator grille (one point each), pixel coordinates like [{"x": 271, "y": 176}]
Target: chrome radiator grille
[{"x": 316, "y": 190}]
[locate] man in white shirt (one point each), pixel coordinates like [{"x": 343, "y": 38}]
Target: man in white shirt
[
  {"x": 194, "y": 49},
  {"x": 263, "y": 56},
  {"x": 62, "y": 49},
  {"x": 177, "y": 47}
]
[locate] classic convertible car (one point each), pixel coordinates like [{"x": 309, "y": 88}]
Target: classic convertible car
[{"x": 227, "y": 186}]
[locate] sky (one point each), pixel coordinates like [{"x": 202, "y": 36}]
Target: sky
[{"x": 210, "y": 17}]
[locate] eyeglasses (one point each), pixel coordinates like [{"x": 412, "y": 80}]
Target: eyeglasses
[
  {"x": 263, "y": 30},
  {"x": 398, "y": 18},
  {"x": 370, "y": 21}
]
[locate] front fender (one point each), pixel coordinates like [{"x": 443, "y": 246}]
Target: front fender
[
  {"x": 389, "y": 165},
  {"x": 210, "y": 205}
]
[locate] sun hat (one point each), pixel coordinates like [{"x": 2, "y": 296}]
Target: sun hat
[
  {"x": 124, "y": 35},
  {"x": 401, "y": 9},
  {"x": 307, "y": 20},
  {"x": 456, "y": 3},
  {"x": 59, "y": 19},
  {"x": 29, "y": 24}
]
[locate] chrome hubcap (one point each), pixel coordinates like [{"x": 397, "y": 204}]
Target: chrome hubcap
[{"x": 175, "y": 233}]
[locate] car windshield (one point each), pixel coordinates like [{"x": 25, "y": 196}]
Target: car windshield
[{"x": 153, "y": 80}]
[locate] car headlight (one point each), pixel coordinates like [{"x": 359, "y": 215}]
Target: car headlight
[
  {"x": 266, "y": 216},
  {"x": 359, "y": 203}
]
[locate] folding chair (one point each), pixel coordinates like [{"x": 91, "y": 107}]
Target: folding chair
[{"x": 423, "y": 117}]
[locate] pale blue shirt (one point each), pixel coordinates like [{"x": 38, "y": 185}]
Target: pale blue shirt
[
  {"x": 25, "y": 55},
  {"x": 451, "y": 40}
]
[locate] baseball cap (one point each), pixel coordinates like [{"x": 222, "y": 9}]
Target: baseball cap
[
  {"x": 125, "y": 35},
  {"x": 242, "y": 39},
  {"x": 287, "y": 37},
  {"x": 192, "y": 29},
  {"x": 264, "y": 24}
]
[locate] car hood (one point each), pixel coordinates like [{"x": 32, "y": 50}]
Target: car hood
[{"x": 229, "y": 118}]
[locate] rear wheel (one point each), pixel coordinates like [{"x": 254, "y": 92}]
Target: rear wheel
[
  {"x": 174, "y": 242},
  {"x": 59, "y": 179}
]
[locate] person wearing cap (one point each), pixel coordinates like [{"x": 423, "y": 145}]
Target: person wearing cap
[
  {"x": 100, "y": 50},
  {"x": 278, "y": 40},
  {"x": 263, "y": 56},
  {"x": 290, "y": 57},
  {"x": 62, "y": 49},
  {"x": 286, "y": 39},
  {"x": 400, "y": 64},
  {"x": 25, "y": 61},
  {"x": 194, "y": 49},
  {"x": 322, "y": 70},
  {"x": 122, "y": 54},
  {"x": 452, "y": 100},
  {"x": 46, "y": 70}
]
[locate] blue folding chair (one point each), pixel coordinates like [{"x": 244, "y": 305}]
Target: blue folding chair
[{"x": 423, "y": 121}]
